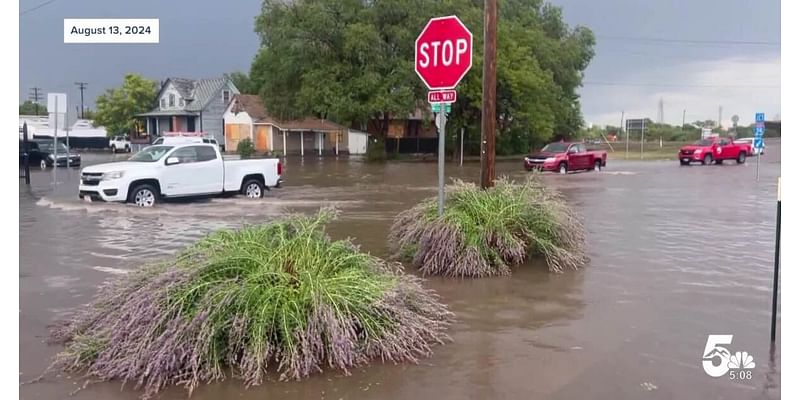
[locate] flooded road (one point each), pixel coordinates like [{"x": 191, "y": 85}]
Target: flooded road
[{"x": 677, "y": 253}]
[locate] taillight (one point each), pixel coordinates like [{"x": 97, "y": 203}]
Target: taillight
[{"x": 280, "y": 168}]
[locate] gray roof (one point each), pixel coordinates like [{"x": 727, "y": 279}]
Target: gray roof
[
  {"x": 166, "y": 113},
  {"x": 197, "y": 92},
  {"x": 204, "y": 90},
  {"x": 183, "y": 86}
]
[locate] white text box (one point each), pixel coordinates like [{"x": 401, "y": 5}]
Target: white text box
[{"x": 96, "y": 30}]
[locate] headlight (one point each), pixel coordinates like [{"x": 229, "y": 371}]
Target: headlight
[
  {"x": 112, "y": 175},
  {"x": 50, "y": 156},
  {"x": 698, "y": 151},
  {"x": 550, "y": 159}
]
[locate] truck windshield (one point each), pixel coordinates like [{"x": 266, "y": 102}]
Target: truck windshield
[
  {"x": 151, "y": 154},
  {"x": 555, "y": 148},
  {"x": 704, "y": 142}
]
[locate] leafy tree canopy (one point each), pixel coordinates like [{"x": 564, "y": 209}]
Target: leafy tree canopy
[
  {"x": 353, "y": 61},
  {"x": 117, "y": 107}
]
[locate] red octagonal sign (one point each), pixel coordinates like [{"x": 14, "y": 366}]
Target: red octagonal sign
[{"x": 443, "y": 52}]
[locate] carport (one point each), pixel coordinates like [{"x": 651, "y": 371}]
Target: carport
[{"x": 314, "y": 133}]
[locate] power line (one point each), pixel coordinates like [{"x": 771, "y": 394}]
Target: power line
[
  {"x": 36, "y": 7},
  {"x": 691, "y": 41},
  {"x": 681, "y": 85}
]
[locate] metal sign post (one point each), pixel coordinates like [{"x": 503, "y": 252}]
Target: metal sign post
[
  {"x": 641, "y": 144},
  {"x": 442, "y": 121},
  {"x": 627, "y": 137},
  {"x": 758, "y": 140},
  {"x": 55, "y": 135},
  {"x": 777, "y": 263},
  {"x": 461, "y": 161}
]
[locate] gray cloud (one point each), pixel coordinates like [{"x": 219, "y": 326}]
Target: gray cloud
[{"x": 202, "y": 38}]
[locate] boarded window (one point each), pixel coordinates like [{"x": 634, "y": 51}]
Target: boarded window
[
  {"x": 163, "y": 103},
  {"x": 172, "y": 100},
  {"x": 226, "y": 96}
]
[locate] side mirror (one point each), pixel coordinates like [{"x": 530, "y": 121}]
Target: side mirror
[{"x": 173, "y": 161}]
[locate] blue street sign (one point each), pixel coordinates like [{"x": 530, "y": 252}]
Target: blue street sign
[
  {"x": 759, "y": 117},
  {"x": 759, "y": 130},
  {"x": 758, "y": 143}
]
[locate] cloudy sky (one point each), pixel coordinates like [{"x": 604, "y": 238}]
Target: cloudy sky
[{"x": 696, "y": 55}]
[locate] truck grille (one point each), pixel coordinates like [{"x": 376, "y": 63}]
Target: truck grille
[{"x": 91, "y": 178}]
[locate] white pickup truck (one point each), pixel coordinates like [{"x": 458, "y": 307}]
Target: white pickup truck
[{"x": 182, "y": 170}]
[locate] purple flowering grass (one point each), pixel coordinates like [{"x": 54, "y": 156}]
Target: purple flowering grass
[
  {"x": 280, "y": 298},
  {"x": 485, "y": 232}
]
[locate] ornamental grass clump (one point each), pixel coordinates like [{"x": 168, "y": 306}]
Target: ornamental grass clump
[
  {"x": 485, "y": 232},
  {"x": 278, "y": 298}
]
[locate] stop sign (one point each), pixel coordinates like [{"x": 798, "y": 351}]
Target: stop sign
[{"x": 443, "y": 52}]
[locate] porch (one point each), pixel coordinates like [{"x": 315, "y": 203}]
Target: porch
[{"x": 158, "y": 122}]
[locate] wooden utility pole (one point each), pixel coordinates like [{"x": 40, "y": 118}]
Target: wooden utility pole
[{"x": 488, "y": 117}]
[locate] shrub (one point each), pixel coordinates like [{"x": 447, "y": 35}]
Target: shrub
[
  {"x": 376, "y": 149},
  {"x": 281, "y": 296},
  {"x": 484, "y": 232},
  {"x": 245, "y": 148}
]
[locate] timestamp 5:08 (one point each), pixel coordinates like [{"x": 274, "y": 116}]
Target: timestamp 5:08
[{"x": 129, "y": 30}]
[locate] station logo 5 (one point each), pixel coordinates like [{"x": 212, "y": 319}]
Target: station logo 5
[{"x": 719, "y": 361}]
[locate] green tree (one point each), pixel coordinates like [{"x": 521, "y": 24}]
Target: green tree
[
  {"x": 242, "y": 82},
  {"x": 352, "y": 61},
  {"x": 117, "y": 107},
  {"x": 31, "y": 108},
  {"x": 89, "y": 114}
]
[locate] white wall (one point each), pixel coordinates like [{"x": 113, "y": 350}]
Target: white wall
[
  {"x": 240, "y": 118},
  {"x": 165, "y": 95},
  {"x": 357, "y": 142}
]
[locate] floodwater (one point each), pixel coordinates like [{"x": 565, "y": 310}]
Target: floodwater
[{"x": 677, "y": 253}]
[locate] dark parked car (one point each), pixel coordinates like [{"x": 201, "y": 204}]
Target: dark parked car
[{"x": 40, "y": 152}]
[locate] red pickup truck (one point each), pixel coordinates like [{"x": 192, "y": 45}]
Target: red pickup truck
[
  {"x": 564, "y": 157},
  {"x": 714, "y": 150}
]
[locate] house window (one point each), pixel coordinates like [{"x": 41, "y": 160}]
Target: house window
[
  {"x": 172, "y": 100},
  {"x": 226, "y": 96},
  {"x": 180, "y": 102},
  {"x": 163, "y": 103}
]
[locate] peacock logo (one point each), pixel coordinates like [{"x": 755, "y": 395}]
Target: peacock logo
[{"x": 741, "y": 359}]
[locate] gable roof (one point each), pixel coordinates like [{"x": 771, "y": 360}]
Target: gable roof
[
  {"x": 183, "y": 86},
  {"x": 204, "y": 91},
  {"x": 252, "y": 105},
  {"x": 197, "y": 92}
]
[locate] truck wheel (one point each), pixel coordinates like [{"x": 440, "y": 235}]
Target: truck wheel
[
  {"x": 707, "y": 159},
  {"x": 562, "y": 168},
  {"x": 597, "y": 166},
  {"x": 741, "y": 158},
  {"x": 253, "y": 189},
  {"x": 144, "y": 195}
]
